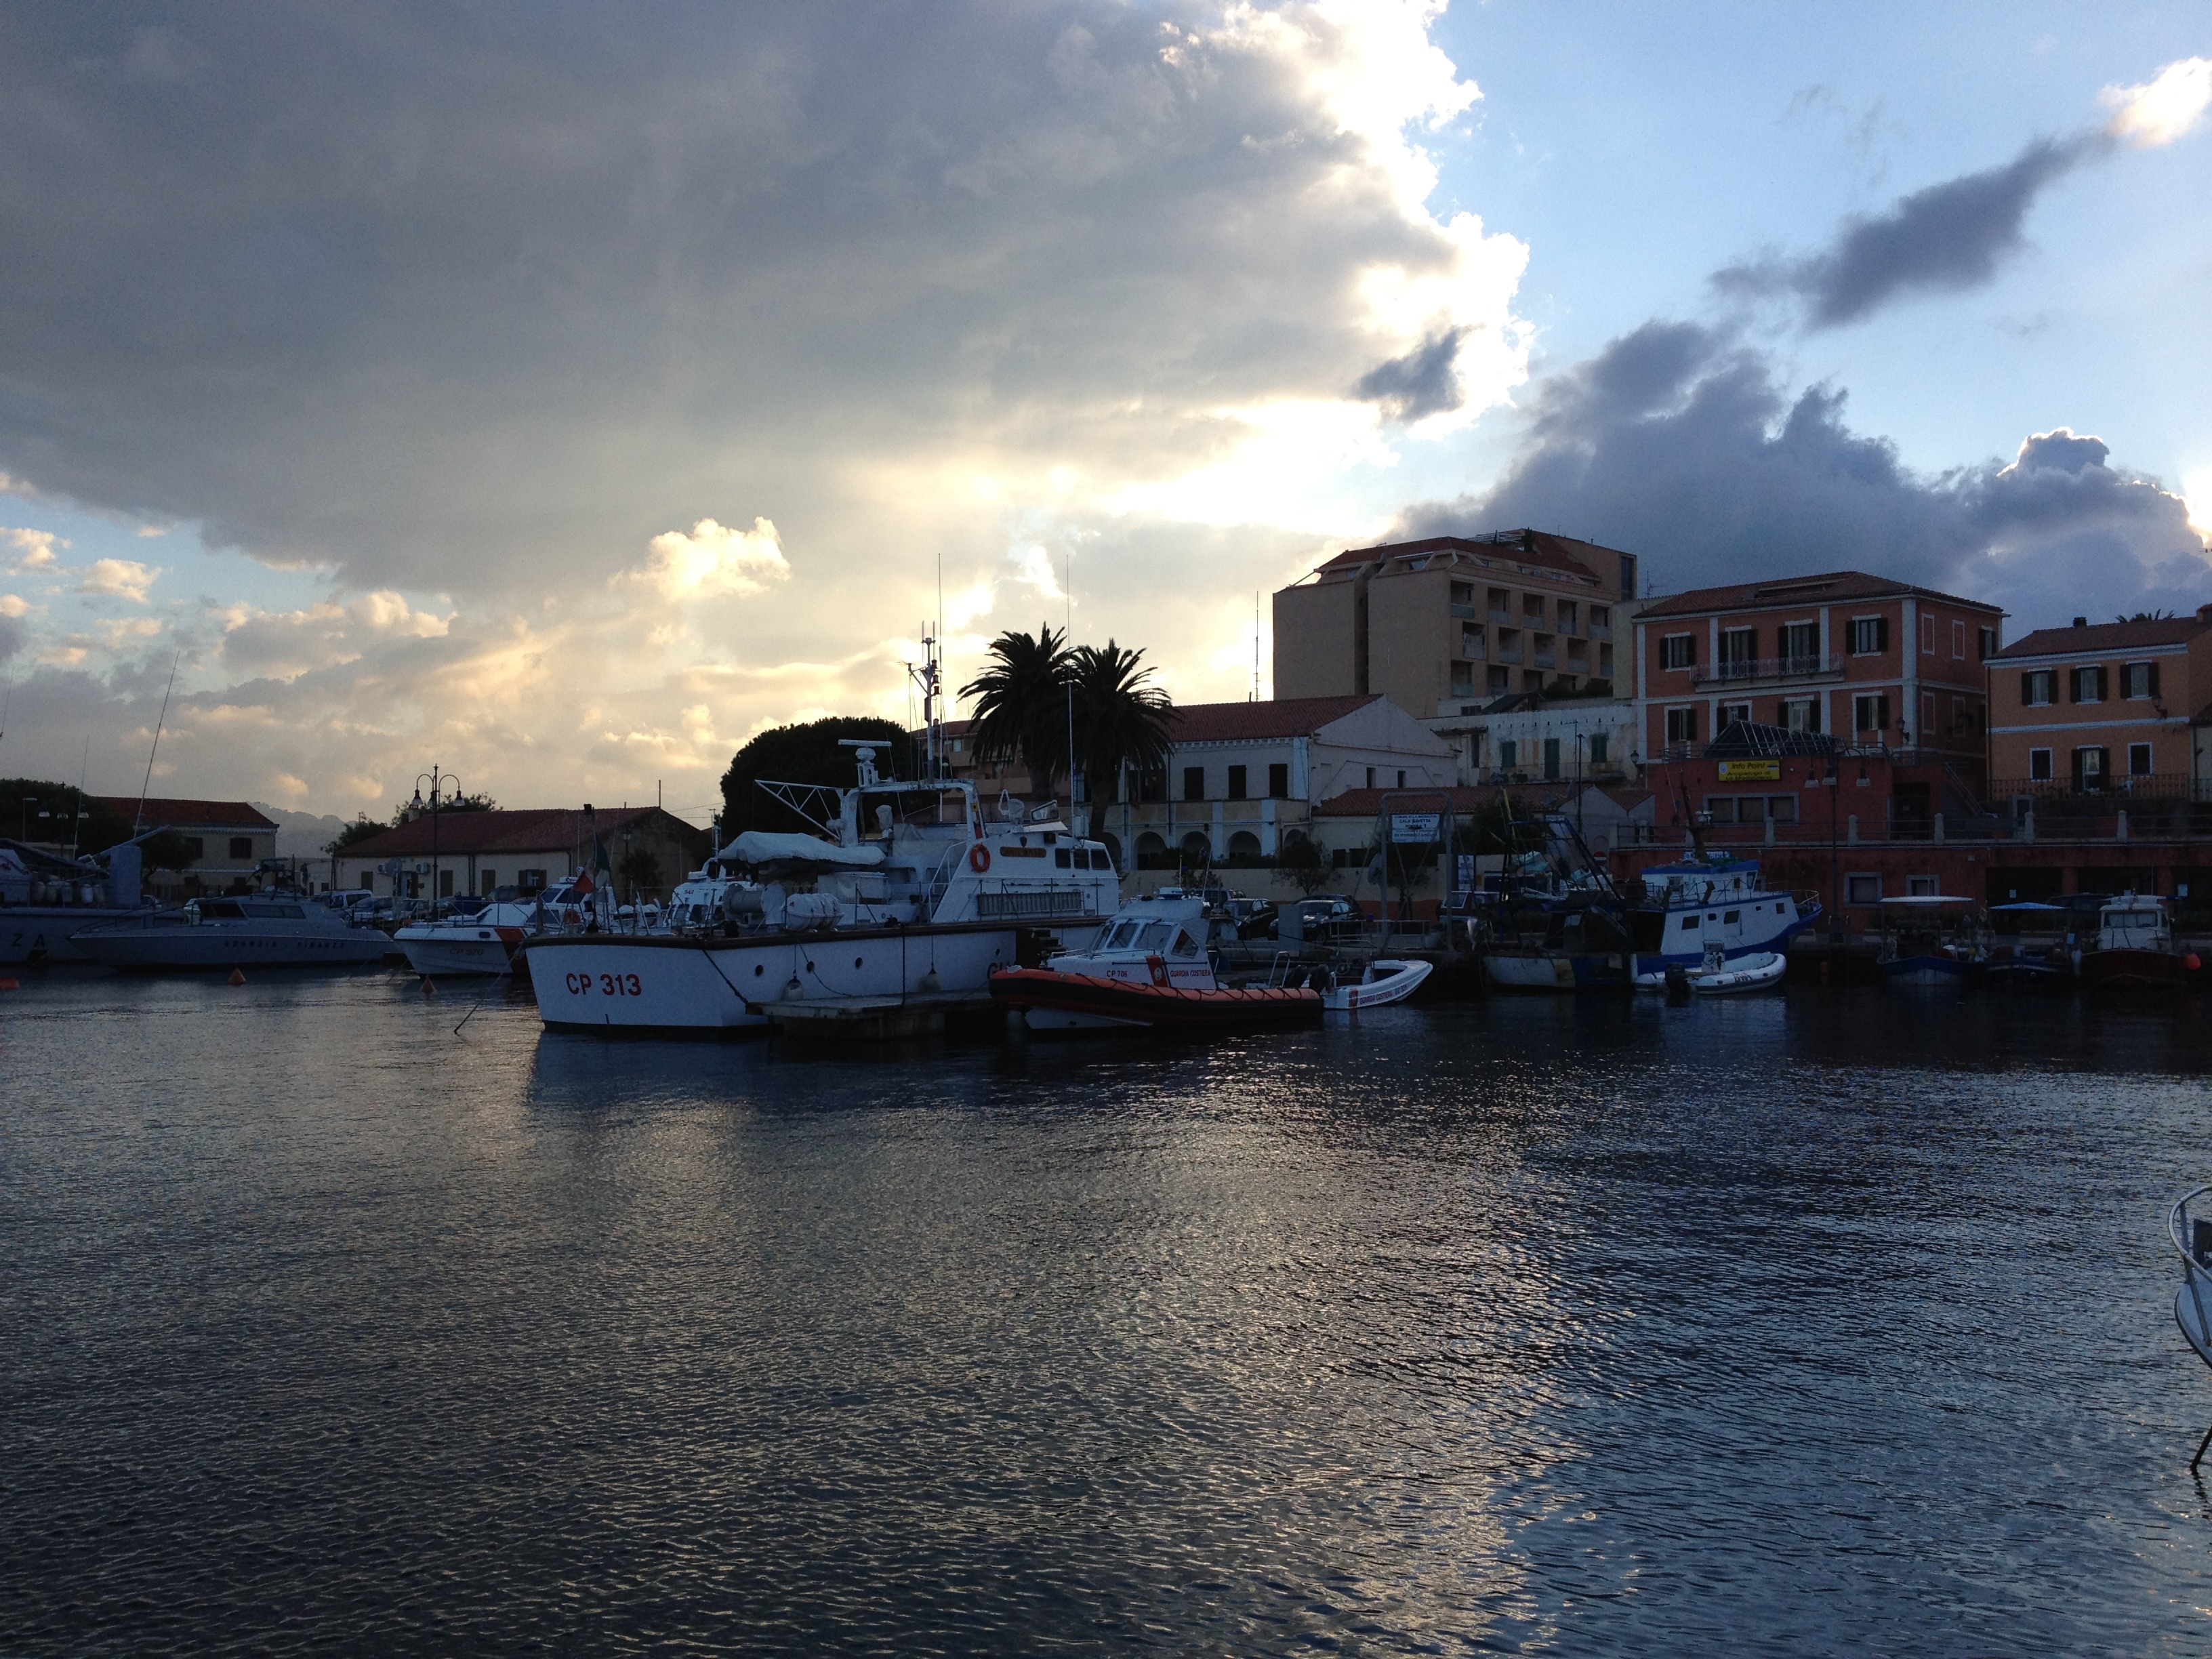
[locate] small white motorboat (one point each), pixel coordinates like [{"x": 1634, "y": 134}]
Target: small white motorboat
[
  {"x": 2192, "y": 1303},
  {"x": 1759, "y": 970},
  {"x": 1385, "y": 982}
]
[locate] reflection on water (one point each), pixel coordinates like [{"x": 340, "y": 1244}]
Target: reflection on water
[{"x": 1823, "y": 1323}]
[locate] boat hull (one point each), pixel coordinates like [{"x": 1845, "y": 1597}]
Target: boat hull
[
  {"x": 449, "y": 952},
  {"x": 1044, "y": 996},
  {"x": 2132, "y": 970},
  {"x": 647, "y": 983},
  {"x": 33, "y": 933},
  {"x": 1394, "y": 987},
  {"x": 1751, "y": 974},
  {"x": 1930, "y": 971},
  {"x": 191, "y": 949}
]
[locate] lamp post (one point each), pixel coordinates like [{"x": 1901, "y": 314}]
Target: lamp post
[{"x": 437, "y": 780}]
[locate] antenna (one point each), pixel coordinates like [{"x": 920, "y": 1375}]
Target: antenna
[{"x": 139, "y": 823}]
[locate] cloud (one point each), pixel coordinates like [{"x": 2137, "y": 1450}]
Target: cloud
[
  {"x": 13, "y": 605},
  {"x": 714, "y": 561},
  {"x": 123, "y": 579},
  {"x": 34, "y": 549},
  {"x": 2167, "y": 107},
  {"x": 1423, "y": 381},
  {"x": 1945, "y": 239},
  {"x": 1681, "y": 443}
]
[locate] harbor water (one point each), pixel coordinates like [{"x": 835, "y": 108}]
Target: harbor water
[{"x": 1834, "y": 1321}]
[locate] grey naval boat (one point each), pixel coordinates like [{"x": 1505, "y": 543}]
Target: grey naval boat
[{"x": 235, "y": 933}]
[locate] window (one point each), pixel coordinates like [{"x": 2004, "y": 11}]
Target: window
[
  {"x": 1782, "y": 809},
  {"x": 1920, "y": 887},
  {"x": 2038, "y": 688},
  {"x": 1720, "y": 809},
  {"x": 1401, "y": 780},
  {"x": 241, "y": 847},
  {"x": 1957, "y": 715},
  {"x": 1462, "y": 680},
  {"x": 195, "y": 847},
  {"x": 1733, "y": 712},
  {"x": 1869, "y": 635},
  {"x": 1509, "y": 755},
  {"x": 1470, "y": 641},
  {"x": 1801, "y": 647},
  {"x": 1371, "y": 777},
  {"x": 1236, "y": 783},
  {"x": 444, "y": 883},
  {"x": 1928, "y": 636},
  {"x": 1500, "y": 680},
  {"x": 1870, "y": 713},
  {"x": 2089, "y": 769},
  {"x": 1501, "y": 606},
  {"x": 1739, "y": 651},
  {"x": 1862, "y": 890},
  {"x": 1751, "y": 809},
  {"x": 1679, "y": 651},
  {"x": 1600, "y": 617},
  {"x": 1682, "y": 725},
  {"x": 1597, "y": 749},
  {"x": 1551, "y": 758},
  {"x": 1958, "y": 641},
  {"x": 1987, "y": 645},
  {"x": 1927, "y": 715},
  {"x": 2138, "y": 760},
  {"x": 2139, "y": 679},
  {"x": 1194, "y": 783},
  {"x": 1570, "y": 617},
  {"x": 1278, "y": 781},
  {"x": 2039, "y": 765},
  {"x": 487, "y": 882},
  {"x": 1532, "y": 609},
  {"x": 1801, "y": 715},
  {"x": 2089, "y": 684},
  {"x": 529, "y": 881}
]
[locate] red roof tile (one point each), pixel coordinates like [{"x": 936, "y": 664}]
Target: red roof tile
[
  {"x": 189, "y": 814},
  {"x": 1798, "y": 590},
  {"x": 1238, "y": 722},
  {"x": 2105, "y": 636}
]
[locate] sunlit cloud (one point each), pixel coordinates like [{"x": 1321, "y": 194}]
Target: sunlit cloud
[
  {"x": 714, "y": 561},
  {"x": 34, "y": 549},
  {"x": 2169, "y": 105},
  {"x": 123, "y": 579},
  {"x": 13, "y": 604}
]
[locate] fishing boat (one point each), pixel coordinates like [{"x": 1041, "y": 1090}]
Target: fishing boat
[
  {"x": 490, "y": 941},
  {"x": 1149, "y": 969},
  {"x": 2013, "y": 959},
  {"x": 2192, "y": 1302},
  {"x": 279, "y": 931},
  {"x": 1930, "y": 940},
  {"x": 2135, "y": 948},
  {"x": 44, "y": 901}
]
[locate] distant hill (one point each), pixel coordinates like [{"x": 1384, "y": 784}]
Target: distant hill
[{"x": 300, "y": 835}]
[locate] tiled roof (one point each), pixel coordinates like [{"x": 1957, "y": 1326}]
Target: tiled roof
[
  {"x": 541, "y": 831},
  {"x": 1233, "y": 722},
  {"x": 1534, "y": 547},
  {"x": 1840, "y": 585},
  {"x": 2105, "y": 636},
  {"x": 189, "y": 814}
]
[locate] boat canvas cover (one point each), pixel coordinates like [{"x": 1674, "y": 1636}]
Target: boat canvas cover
[{"x": 758, "y": 846}]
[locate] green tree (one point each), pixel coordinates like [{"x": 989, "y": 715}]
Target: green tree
[
  {"x": 1018, "y": 704},
  {"x": 360, "y": 830},
  {"x": 1121, "y": 721},
  {"x": 639, "y": 872},
  {"x": 1303, "y": 862},
  {"x": 798, "y": 754}
]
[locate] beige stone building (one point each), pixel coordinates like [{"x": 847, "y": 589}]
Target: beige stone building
[{"x": 1442, "y": 625}]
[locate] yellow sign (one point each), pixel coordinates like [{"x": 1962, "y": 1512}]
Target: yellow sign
[{"x": 1766, "y": 771}]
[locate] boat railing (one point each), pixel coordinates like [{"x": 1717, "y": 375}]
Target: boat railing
[{"x": 2192, "y": 1239}]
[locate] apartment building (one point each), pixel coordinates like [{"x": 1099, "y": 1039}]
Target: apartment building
[
  {"x": 1874, "y": 663},
  {"x": 1443, "y": 625},
  {"x": 2104, "y": 707}
]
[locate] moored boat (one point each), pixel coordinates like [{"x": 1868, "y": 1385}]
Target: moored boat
[
  {"x": 1720, "y": 976},
  {"x": 1148, "y": 969},
  {"x": 1930, "y": 940},
  {"x": 277, "y": 932},
  {"x": 2135, "y": 948},
  {"x": 45, "y": 900},
  {"x": 1385, "y": 980},
  {"x": 490, "y": 941}
]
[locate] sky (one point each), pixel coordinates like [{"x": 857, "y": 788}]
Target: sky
[{"x": 562, "y": 396}]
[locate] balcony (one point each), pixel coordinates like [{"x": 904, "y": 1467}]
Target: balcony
[
  {"x": 1750, "y": 669},
  {"x": 1466, "y": 613}
]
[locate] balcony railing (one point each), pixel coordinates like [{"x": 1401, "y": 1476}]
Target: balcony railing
[
  {"x": 1805, "y": 667},
  {"x": 1466, "y": 613},
  {"x": 2110, "y": 794}
]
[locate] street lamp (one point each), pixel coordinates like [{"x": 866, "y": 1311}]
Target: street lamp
[{"x": 437, "y": 780}]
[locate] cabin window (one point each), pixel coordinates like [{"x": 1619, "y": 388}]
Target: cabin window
[
  {"x": 1869, "y": 636},
  {"x": 1153, "y": 936},
  {"x": 1733, "y": 915},
  {"x": 1185, "y": 946},
  {"x": 1689, "y": 922},
  {"x": 1063, "y": 859},
  {"x": 1278, "y": 781}
]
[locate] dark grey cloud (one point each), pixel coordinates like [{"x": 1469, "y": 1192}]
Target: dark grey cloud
[
  {"x": 1679, "y": 442},
  {"x": 1422, "y": 382},
  {"x": 1945, "y": 239}
]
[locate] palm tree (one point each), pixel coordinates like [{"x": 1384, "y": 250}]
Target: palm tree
[
  {"x": 1120, "y": 721},
  {"x": 1020, "y": 704}
]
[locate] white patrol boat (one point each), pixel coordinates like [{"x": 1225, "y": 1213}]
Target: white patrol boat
[
  {"x": 909, "y": 891},
  {"x": 487, "y": 942}
]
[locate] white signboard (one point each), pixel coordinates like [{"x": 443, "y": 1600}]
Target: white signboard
[{"x": 1418, "y": 828}]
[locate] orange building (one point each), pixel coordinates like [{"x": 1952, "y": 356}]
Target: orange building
[
  {"x": 2102, "y": 709},
  {"x": 1874, "y": 663}
]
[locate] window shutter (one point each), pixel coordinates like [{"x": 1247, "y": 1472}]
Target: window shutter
[
  {"x": 2073, "y": 686},
  {"x": 2104, "y": 688},
  {"x": 2026, "y": 690},
  {"x": 1881, "y": 633},
  {"x": 2153, "y": 667}
]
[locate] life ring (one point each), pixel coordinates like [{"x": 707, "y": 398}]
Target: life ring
[
  {"x": 979, "y": 858},
  {"x": 1159, "y": 967}
]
